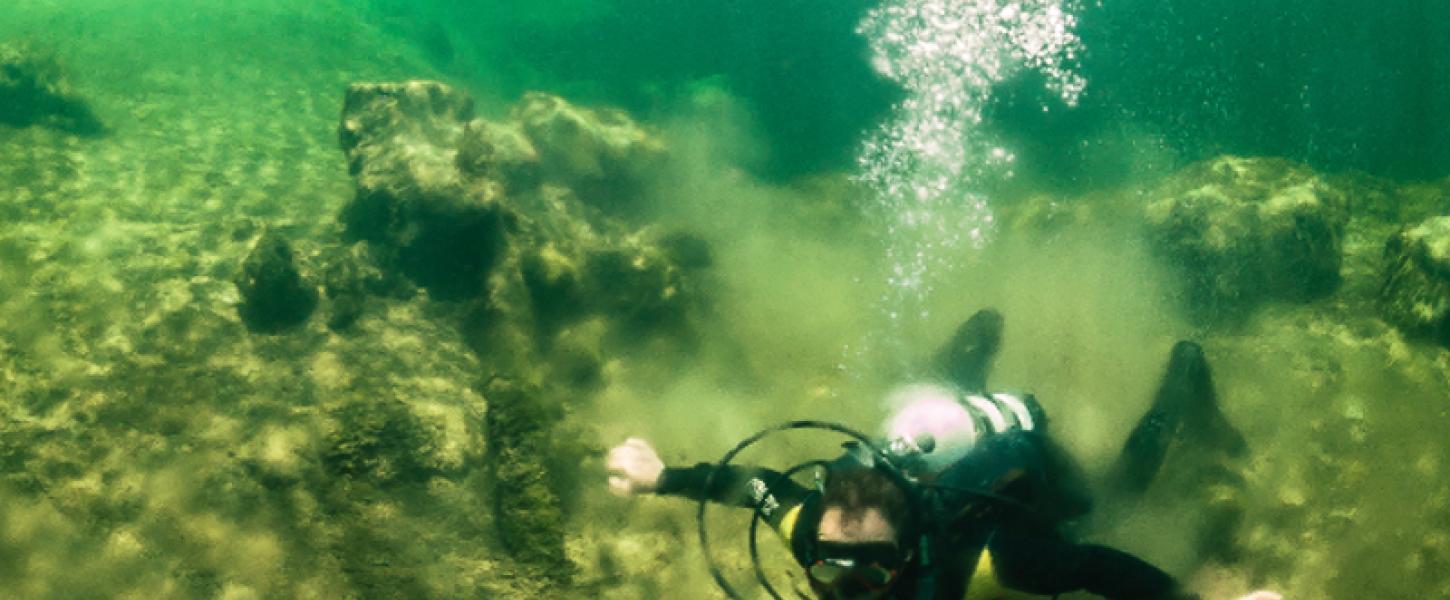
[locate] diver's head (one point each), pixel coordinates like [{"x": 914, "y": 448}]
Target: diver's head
[
  {"x": 929, "y": 429},
  {"x": 864, "y": 538}
]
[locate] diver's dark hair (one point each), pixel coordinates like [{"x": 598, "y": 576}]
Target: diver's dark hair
[{"x": 857, "y": 488}]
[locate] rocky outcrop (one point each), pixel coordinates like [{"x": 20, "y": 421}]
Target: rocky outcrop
[
  {"x": 496, "y": 213},
  {"x": 34, "y": 91},
  {"x": 1241, "y": 231},
  {"x": 442, "y": 230},
  {"x": 514, "y": 224},
  {"x": 527, "y": 504},
  {"x": 275, "y": 297},
  {"x": 600, "y": 154},
  {"x": 1416, "y": 292}
]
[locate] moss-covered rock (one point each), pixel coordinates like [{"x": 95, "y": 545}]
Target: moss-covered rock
[
  {"x": 500, "y": 152},
  {"x": 1416, "y": 291},
  {"x": 641, "y": 286},
  {"x": 1241, "y": 231},
  {"x": 527, "y": 503},
  {"x": 443, "y": 231},
  {"x": 378, "y": 440},
  {"x": 275, "y": 296},
  {"x": 34, "y": 91},
  {"x": 506, "y": 213},
  {"x": 602, "y": 154},
  {"x": 511, "y": 223}
]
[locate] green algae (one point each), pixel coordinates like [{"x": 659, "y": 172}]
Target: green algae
[{"x": 527, "y": 504}]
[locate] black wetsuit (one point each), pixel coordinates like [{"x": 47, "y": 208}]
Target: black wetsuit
[{"x": 978, "y": 548}]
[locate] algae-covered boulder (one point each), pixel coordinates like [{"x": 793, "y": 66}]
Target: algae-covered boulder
[
  {"x": 502, "y": 153},
  {"x": 1416, "y": 291},
  {"x": 275, "y": 297},
  {"x": 444, "y": 232},
  {"x": 34, "y": 91},
  {"x": 603, "y": 155},
  {"x": 527, "y": 505},
  {"x": 1241, "y": 231},
  {"x": 506, "y": 213},
  {"x": 379, "y": 440},
  {"x": 511, "y": 223}
]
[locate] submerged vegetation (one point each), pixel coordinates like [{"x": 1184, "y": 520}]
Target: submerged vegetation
[{"x": 290, "y": 307}]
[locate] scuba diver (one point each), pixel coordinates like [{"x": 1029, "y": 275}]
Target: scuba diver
[{"x": 965, "y": 497}]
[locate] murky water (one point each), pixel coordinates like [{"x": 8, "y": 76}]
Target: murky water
[{"x": 746, "y": 212}]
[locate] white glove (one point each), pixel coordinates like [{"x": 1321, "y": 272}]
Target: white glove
[
  {"x": 1263, "y": 595},
  {"x": 635, "y": 468}
]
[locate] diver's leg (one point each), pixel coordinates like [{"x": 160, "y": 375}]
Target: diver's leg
[
  {"x": 1068, "y": 495},
  {"x": 1186, "y": 408},
  {"x": 965, "y": 359}
]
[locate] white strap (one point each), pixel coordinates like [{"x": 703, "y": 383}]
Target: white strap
[
  {"x": 990, "y": 410},
  {"x": 1018, "y": 408}
]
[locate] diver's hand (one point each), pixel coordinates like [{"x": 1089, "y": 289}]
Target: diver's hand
[
  {"x": 634, "y": 468},
  {"x": 1263, "y": 595}
]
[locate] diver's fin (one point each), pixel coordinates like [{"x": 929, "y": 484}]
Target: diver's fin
[
  {"x": 1186, "y": 404},
  {"x": 965, "y": 359},
  {"x": 1189, "y": 384},
  {"x": 1144, "y": 451}
]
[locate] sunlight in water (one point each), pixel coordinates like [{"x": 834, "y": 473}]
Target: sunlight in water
[{"x": 922, "y": 163}]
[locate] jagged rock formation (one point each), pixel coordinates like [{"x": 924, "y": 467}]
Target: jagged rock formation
[
  {"x": 441, "y": 231},
  {"x": 600, "y": 154},
  {"x": 459, "y": 205},
  {"x": 484, "y": 212},
  {"x": 1242, "y": 231},
  {"x": 275, "y": 297},
  {"x": 515, "y": 225},
  {"x": 34, "y": 91},
  {"x": 1416, "y": 292}
]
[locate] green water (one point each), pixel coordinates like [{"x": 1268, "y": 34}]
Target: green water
[{"x": 151, "y": 446}]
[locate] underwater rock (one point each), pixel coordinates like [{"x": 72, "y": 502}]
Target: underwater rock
[
  {"x": 350, "y": 278},
  {"x": 501, "y": 152},
  {"x": 380, "y": 441},
  {"x": 689, "y": 251},
  {"x": 603, "y": 155},
  {"x": 275, "y": 297},
  {"x": 503, "y": 219},
  {"x": 34, "y": 91},
  {"x": 1416, "y": 291},
  {"x": 643, "y": 287},
  {"x": 476, "y": 210},
  {"x": 640, "y": 286},
  {"x": 444, "y": 232},
  {"x": 1242, "y": 231},
  {"x": 528, "y": 508}
]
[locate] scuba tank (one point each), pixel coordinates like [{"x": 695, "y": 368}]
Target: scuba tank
[{"x": 931, "y": 427}]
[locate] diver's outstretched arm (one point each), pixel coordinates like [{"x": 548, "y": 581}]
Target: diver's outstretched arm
[
  {"x": 965, "y": 359},
  {"x": 1186, "y": 406},
  {"x": 635, "y": 468}
]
